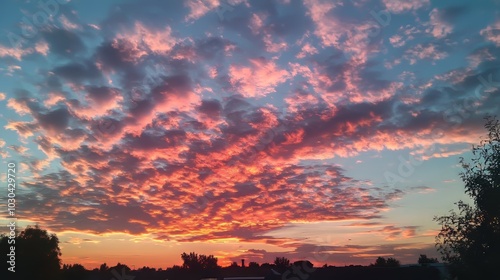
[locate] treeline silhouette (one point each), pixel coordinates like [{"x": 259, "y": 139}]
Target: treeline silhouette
[{"x": 37, "y": 256}]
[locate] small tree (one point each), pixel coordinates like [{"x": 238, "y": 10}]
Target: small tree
[
  {"x": 470, "y": 239},
  {"x": 424, "y": 260},
  {"x": 74, "y": 271},
  {"x": 253, "y": 265},
  {"x": 120, "y": 267},
  {"x": 392, "y": 262},
  {"x": 380, "y": 261},
  {"x": 104, "y": 267},
  {"x": 197, "y": 262},
  {"x": 282, "y": 262},
  {"x": 266, "y": 265}
]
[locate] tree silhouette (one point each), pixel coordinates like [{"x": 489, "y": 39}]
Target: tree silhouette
[
  {"x": 195, "y": 262},
  {"x": 266, "y": 265},
  {"x": 104, "y": 267},
  {"x": 36, "y": 254},
  {"x": 424, "y": 260},
  {"x": 253, "y": 265},
  {"x": 380, "y": 261},
  {"x": 282, "y": 262},
  {"x": 390, "y": 262},
  {"x": 74, "y": 272},
  {"x": 470, "y": 239},
  {"x": 120, "y": 267}
]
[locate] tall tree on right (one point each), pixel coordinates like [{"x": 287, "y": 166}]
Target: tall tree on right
[{"x": 470, "y": 239}]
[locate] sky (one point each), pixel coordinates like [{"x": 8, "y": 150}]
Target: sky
[{"x": 322, "y": 130}]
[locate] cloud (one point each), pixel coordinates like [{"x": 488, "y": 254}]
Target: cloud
[
  {"x": 327, "y": 28},
  {"x": 77, "y": 72},
  {"x": 211, "y": 108},
  {"x": 422, "y": 189},
  {"x": 491, "y": 33},
  {"x": 150, "y": 40},
  {"x": 479, "y": 56},
  {"x": 307, "y": 49},
  {"x": 439, "y": 27},
  {"x": 16, "y": 53},
  {"x": 429, "y": 51},
  {"x": 199, "y": 8},
  {"x": 397, "y": 7},
  {"x": 63, "y": 42},
  {"x": 258, "y": 79},
  {"x": 404, "y": 35}
]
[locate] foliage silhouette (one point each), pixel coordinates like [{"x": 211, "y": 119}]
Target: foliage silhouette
[
  {"x": 74, "y": 272},
  {"x": 253, "y": 265},
  {"x": 37, "y": 254},
  {"x": 470, "y": 239},
  {"x": 380, "y": 261},
  {"x": 195, "y": 262},
  {"x": 424, "y": 260},
  {"x": 282, "y": 262},
  {"x": 104, "y": 267},
  {"x": 390, "y": 262}
]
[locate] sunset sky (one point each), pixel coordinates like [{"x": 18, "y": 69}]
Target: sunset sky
[{"x": 321, "y": 130}]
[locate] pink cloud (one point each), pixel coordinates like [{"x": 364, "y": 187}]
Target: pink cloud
[
  {"x": 259, "y": 79},
  {"x": 428, "y": 51},
  {"x": 23, "y": 129},
  {"x": 404, "y": 35},
  {"x": 307, "y": 49},
  {"x": 397, "y": 6},
  {"x": 480, "y": 56},
  {"x": 272, "y": 46},
  {"x": 16, "y": 53},
  {"x": 257, "y": 22},
  {"x": 67, "y": 24},
  {"x": 439, "y": 28},
  {"x": 42, "y": 47},
  {"x": 94, "y": 26},
  {"x": 20, "y": 107},
  {"x": 395, "y": 233},
  {"x": 492, "y": 34},
  {"x": 258, "y": 27},
  {"x": 3, "y": 153},
  {"x": 397, "y": 41},
  {"x": 53, "y": 98},
  {"x": 143, "y": 40},
  {"x": 350, "y": 37},
  {"x": 328, "y": 29},
  {"x": 199, "y": 8}
]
